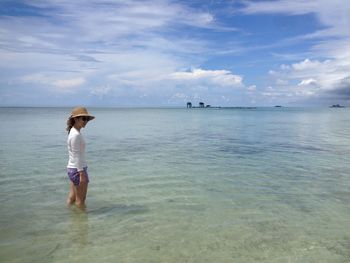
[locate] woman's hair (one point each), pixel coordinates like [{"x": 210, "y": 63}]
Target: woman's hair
[{"x": 70, "y": 124}]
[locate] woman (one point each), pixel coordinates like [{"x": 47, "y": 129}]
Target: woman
[{"x": 77, "y": 167}]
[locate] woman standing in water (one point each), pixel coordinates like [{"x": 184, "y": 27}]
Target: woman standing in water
[{"x": 77, "y": 167}]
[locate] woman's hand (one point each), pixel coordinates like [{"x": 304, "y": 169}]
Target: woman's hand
[{"x": 83, "y": 179}]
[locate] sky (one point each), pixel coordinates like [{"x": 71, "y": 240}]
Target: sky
[{"x": 117, "y": 53}]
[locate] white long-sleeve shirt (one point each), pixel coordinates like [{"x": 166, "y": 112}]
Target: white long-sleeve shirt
[{"x": 76, "y": 150}]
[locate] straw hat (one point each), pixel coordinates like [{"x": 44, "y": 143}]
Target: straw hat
[{"x": 81, "y": 111}]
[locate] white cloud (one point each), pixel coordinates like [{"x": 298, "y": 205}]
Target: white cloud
[
  {"x": 309, "y": 79},
  {"x": 100, "y": 91},
  {"x": 222, "y": 78},
  {"x": 47, "y": 80},
  {"x": 328, "y": 73},
  {"x": 69, "y": 83},
  {"x": 304, "y": 65},
  {"x": 306, "y": 82},
  {"x": 252, "y": 88},
  {"x": 281, "y": 82}
]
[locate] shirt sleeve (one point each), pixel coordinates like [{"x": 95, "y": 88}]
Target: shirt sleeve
[{"x": 76, "y": 150}]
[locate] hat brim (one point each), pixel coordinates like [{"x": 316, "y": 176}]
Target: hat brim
[{"x": 83, "y": 115}]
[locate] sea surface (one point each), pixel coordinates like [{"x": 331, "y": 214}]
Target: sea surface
[{"x": 178, "y": 185}]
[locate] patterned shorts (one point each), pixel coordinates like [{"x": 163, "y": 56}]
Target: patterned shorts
[{"x": 74, "y": 176}]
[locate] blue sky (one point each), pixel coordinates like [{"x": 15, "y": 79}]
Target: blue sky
[{"x": 165, "y": 53}]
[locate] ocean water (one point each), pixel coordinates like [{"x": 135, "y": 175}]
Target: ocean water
[{"x": 179, "y": 185}]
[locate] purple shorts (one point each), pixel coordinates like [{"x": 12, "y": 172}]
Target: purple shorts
[{"x": 74, "y": 176}]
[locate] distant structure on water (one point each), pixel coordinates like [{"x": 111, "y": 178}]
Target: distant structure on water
[
  {"x": 201, "y": 105},
  {"x": 337, "y": 106}
]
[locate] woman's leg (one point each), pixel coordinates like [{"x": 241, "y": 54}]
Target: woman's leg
[
  {"x": 72, "y": 195},
  {"x": 81, "y": 192}
]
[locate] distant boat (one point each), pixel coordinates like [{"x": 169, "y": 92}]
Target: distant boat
[
  {"x": 337, "y": 106},
  {"x": 278, "y": 106}
]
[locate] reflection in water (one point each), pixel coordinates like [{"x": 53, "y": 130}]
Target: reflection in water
[{"x": 79, "y": 227}]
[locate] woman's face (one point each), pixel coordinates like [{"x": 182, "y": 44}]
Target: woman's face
[{"x": 81, "y": 121}]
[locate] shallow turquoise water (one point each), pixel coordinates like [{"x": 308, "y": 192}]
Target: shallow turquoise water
[{"x": 179, "y": 185}]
